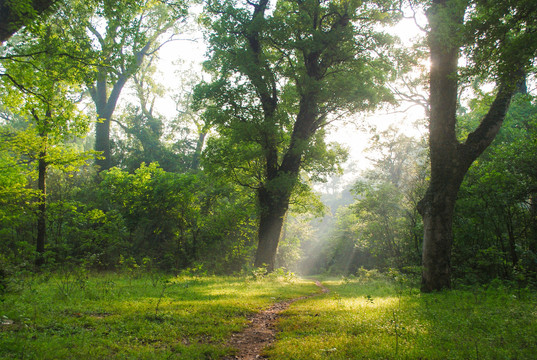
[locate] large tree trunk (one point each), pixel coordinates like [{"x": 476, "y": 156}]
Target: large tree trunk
[
  {"x": 438, "y": 205},
  {"x": 272, "y": 213},
  {"x": 437, "y": 212},
  {"x": 450, "y": 159}
]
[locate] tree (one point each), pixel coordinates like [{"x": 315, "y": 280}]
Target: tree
[
  {"x": 14, "y": 15},
  {"x": 499, "y": 42},
  {"x": 41, "y": 82},
  {"x": 123, "y": 33},
  {"x": 281, "y": 77}
]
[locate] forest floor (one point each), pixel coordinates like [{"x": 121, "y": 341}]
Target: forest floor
[{"x": 70, "y": 315}]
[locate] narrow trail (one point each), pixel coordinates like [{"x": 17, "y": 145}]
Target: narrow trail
[{"x": 261, "y": 331}]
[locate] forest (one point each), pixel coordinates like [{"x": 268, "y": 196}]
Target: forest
[{"x": 169, "y": 168}]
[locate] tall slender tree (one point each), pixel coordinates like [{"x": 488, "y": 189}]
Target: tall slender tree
[
  {"x": 41, "y": 81},
  {"x": 282, "y": 75}
]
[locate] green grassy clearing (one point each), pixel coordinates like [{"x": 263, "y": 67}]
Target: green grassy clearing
[
  {"x": 110, "y": 316},
  {"x": 106, "y": 316},
  {"x": 380, "y": 320}
]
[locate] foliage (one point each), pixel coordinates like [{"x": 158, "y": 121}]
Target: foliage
[
  {"x": 189, "y": 212},
  {"x": 242, "y": 124},
  {"x": 501, "y": 41},
  {"x": 178, "y": 218},
  {"x": 495, "y": 223},
  {"x": 15, "y": 197}
]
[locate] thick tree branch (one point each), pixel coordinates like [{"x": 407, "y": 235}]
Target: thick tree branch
[{"x": 490, "y": 125}]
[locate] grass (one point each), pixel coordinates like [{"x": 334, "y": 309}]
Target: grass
[
  {"x": 378, "y": 319},
  {"x": 111, "y": 316},
  {"x": 141, "y": 316}
]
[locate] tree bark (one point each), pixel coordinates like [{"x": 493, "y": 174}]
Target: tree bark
[
  {"x": 273, "y": 207},
  {"x": 102, "y": 144},
  {"x": 437, "y": 239},
  {"x": 197, "y": 152}
]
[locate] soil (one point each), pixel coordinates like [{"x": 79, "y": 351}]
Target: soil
[{"x": 261, "y": 331}]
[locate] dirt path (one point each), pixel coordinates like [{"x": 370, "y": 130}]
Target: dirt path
[{"x": 261, "y": 331}]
